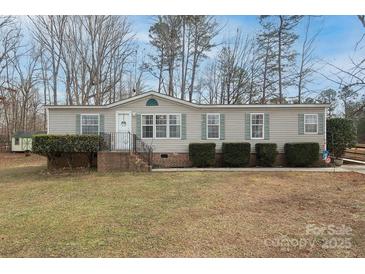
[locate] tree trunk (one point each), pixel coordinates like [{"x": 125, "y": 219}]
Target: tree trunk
[
  {"x": 171, "y": 78},
  {"x": 263, "y": 99},
  {"x": 160, "y": 71},
  {"x": 182, "y": 90},
  {"x": 191, "y": 91}
]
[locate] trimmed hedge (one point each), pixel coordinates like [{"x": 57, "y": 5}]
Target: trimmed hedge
[
  {"x": 266, "y": 154},
  {"x": 45, "y": 144},
  {"x": 301, "y": 154},
  {"x": 202, "y": 155},
  {"x": 236, "y": 154},
  {"x": 54, "y": 146}
]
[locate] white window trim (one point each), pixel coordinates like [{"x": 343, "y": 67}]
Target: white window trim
[
  {"x": 89, "y": 114},
  {"x": 219, "y": 126},
  {"x": 153, "y": 127},
  {"x": 167, "y": 125},
  {"x": 304, "y": 123},
  {"x": 263, "y": 126}
]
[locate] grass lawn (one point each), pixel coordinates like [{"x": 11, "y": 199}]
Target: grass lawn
[{"x": 218, "y": 214}]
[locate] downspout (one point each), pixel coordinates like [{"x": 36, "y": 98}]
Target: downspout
[
  {"x": 47, "y": 115},
  {"x": 325, "y": 128}
]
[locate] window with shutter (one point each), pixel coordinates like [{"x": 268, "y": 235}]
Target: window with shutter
[
  {"x": 257, "y": 126},
  {"x": 310, "y": 123},
  {"x": 213, "y": 125},
  {"x": 90, "y": 124}
]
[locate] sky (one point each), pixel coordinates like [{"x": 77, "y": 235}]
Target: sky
[{"x": 335, "y": 43}]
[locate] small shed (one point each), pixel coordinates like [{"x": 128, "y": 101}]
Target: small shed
[{"x": 21, "y": 141}]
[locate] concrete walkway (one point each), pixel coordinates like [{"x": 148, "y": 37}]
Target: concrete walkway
[
  {"x": 355, "y": 168},
  {"x": 344, "y": 168}
]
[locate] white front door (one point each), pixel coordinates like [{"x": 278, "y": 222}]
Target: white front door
[{"x": 124, "y": 128}]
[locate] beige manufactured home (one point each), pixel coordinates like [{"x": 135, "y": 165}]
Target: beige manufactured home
[{"x": 168, "y": 124}]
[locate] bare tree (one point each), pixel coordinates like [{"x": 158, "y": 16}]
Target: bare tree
[
  {"x": 254, "y": 72},
  {"x": 49, "y": 32},
  {"x": 88, "y": 54},
  {"x": 27, "y": 80},
  {"x": 306, "y": 60},
  {"x": 101, "y": 38},
  {"x": 212, "y": 83},
  {"x": 10, "y": 37},
  {"x": 348, "y": 97},
  {"x": 362, "y": 19},
  {"x": 228, "y": 80},
  {"x": 44, "y": 68},
  {"x": 9, "y": 41},
  {"x": 22, "y": 103},
  {"x": 350, "y": 80}
]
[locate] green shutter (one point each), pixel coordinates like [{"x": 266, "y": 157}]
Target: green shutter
[
  {"x": 101, "y": 122},
  {"x": 204, "y": 127},
  {"x": 222, "y": 126},
  {"x": 183, "y": 126},
  {"x": 138, "y": 125},
  {"x": 300, "y": 123},
  {"x": 267, "y": 126},
  {"x": 78, "y": 122},
  {"x": 321, "y": 123},
  {"x": 247, "y": 126}
]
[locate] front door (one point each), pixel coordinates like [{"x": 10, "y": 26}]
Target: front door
[{"x": 124, "y": 127}]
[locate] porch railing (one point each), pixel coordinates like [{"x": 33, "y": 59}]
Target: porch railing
[
  {"x": 142, "y": 149},
  {"x": 126, "y": 142}
]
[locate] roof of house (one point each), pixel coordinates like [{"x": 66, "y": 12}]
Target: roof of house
[{"x": 180, "y": 101}]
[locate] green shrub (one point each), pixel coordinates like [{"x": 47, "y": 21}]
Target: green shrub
[
  {"x": 301, "y": 154},
  {"x": 44, "y": 144},
  {"x": 202, "y": 155},
  {"x": 341, "y": 134},
  {"x": 53, "y": 146},
  {"x": 236, "y": 154},
  {"x": 361, "y": 131},
  {"x": 265, "y": 154}
]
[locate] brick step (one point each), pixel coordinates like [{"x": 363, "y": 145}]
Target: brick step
[
  {"x": 120, "y": 161},
  {"x": 138, "y": 163}
]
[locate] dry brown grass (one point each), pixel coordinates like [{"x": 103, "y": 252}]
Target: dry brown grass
[
  {"x": 173, "y": 214},
  {"x": 16, "y": 160}
]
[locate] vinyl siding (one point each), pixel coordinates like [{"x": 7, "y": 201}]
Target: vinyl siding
[{"x": 283, "y": 123}]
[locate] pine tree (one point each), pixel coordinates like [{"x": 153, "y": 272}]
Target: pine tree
[{"x": 282, "y": 30}]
